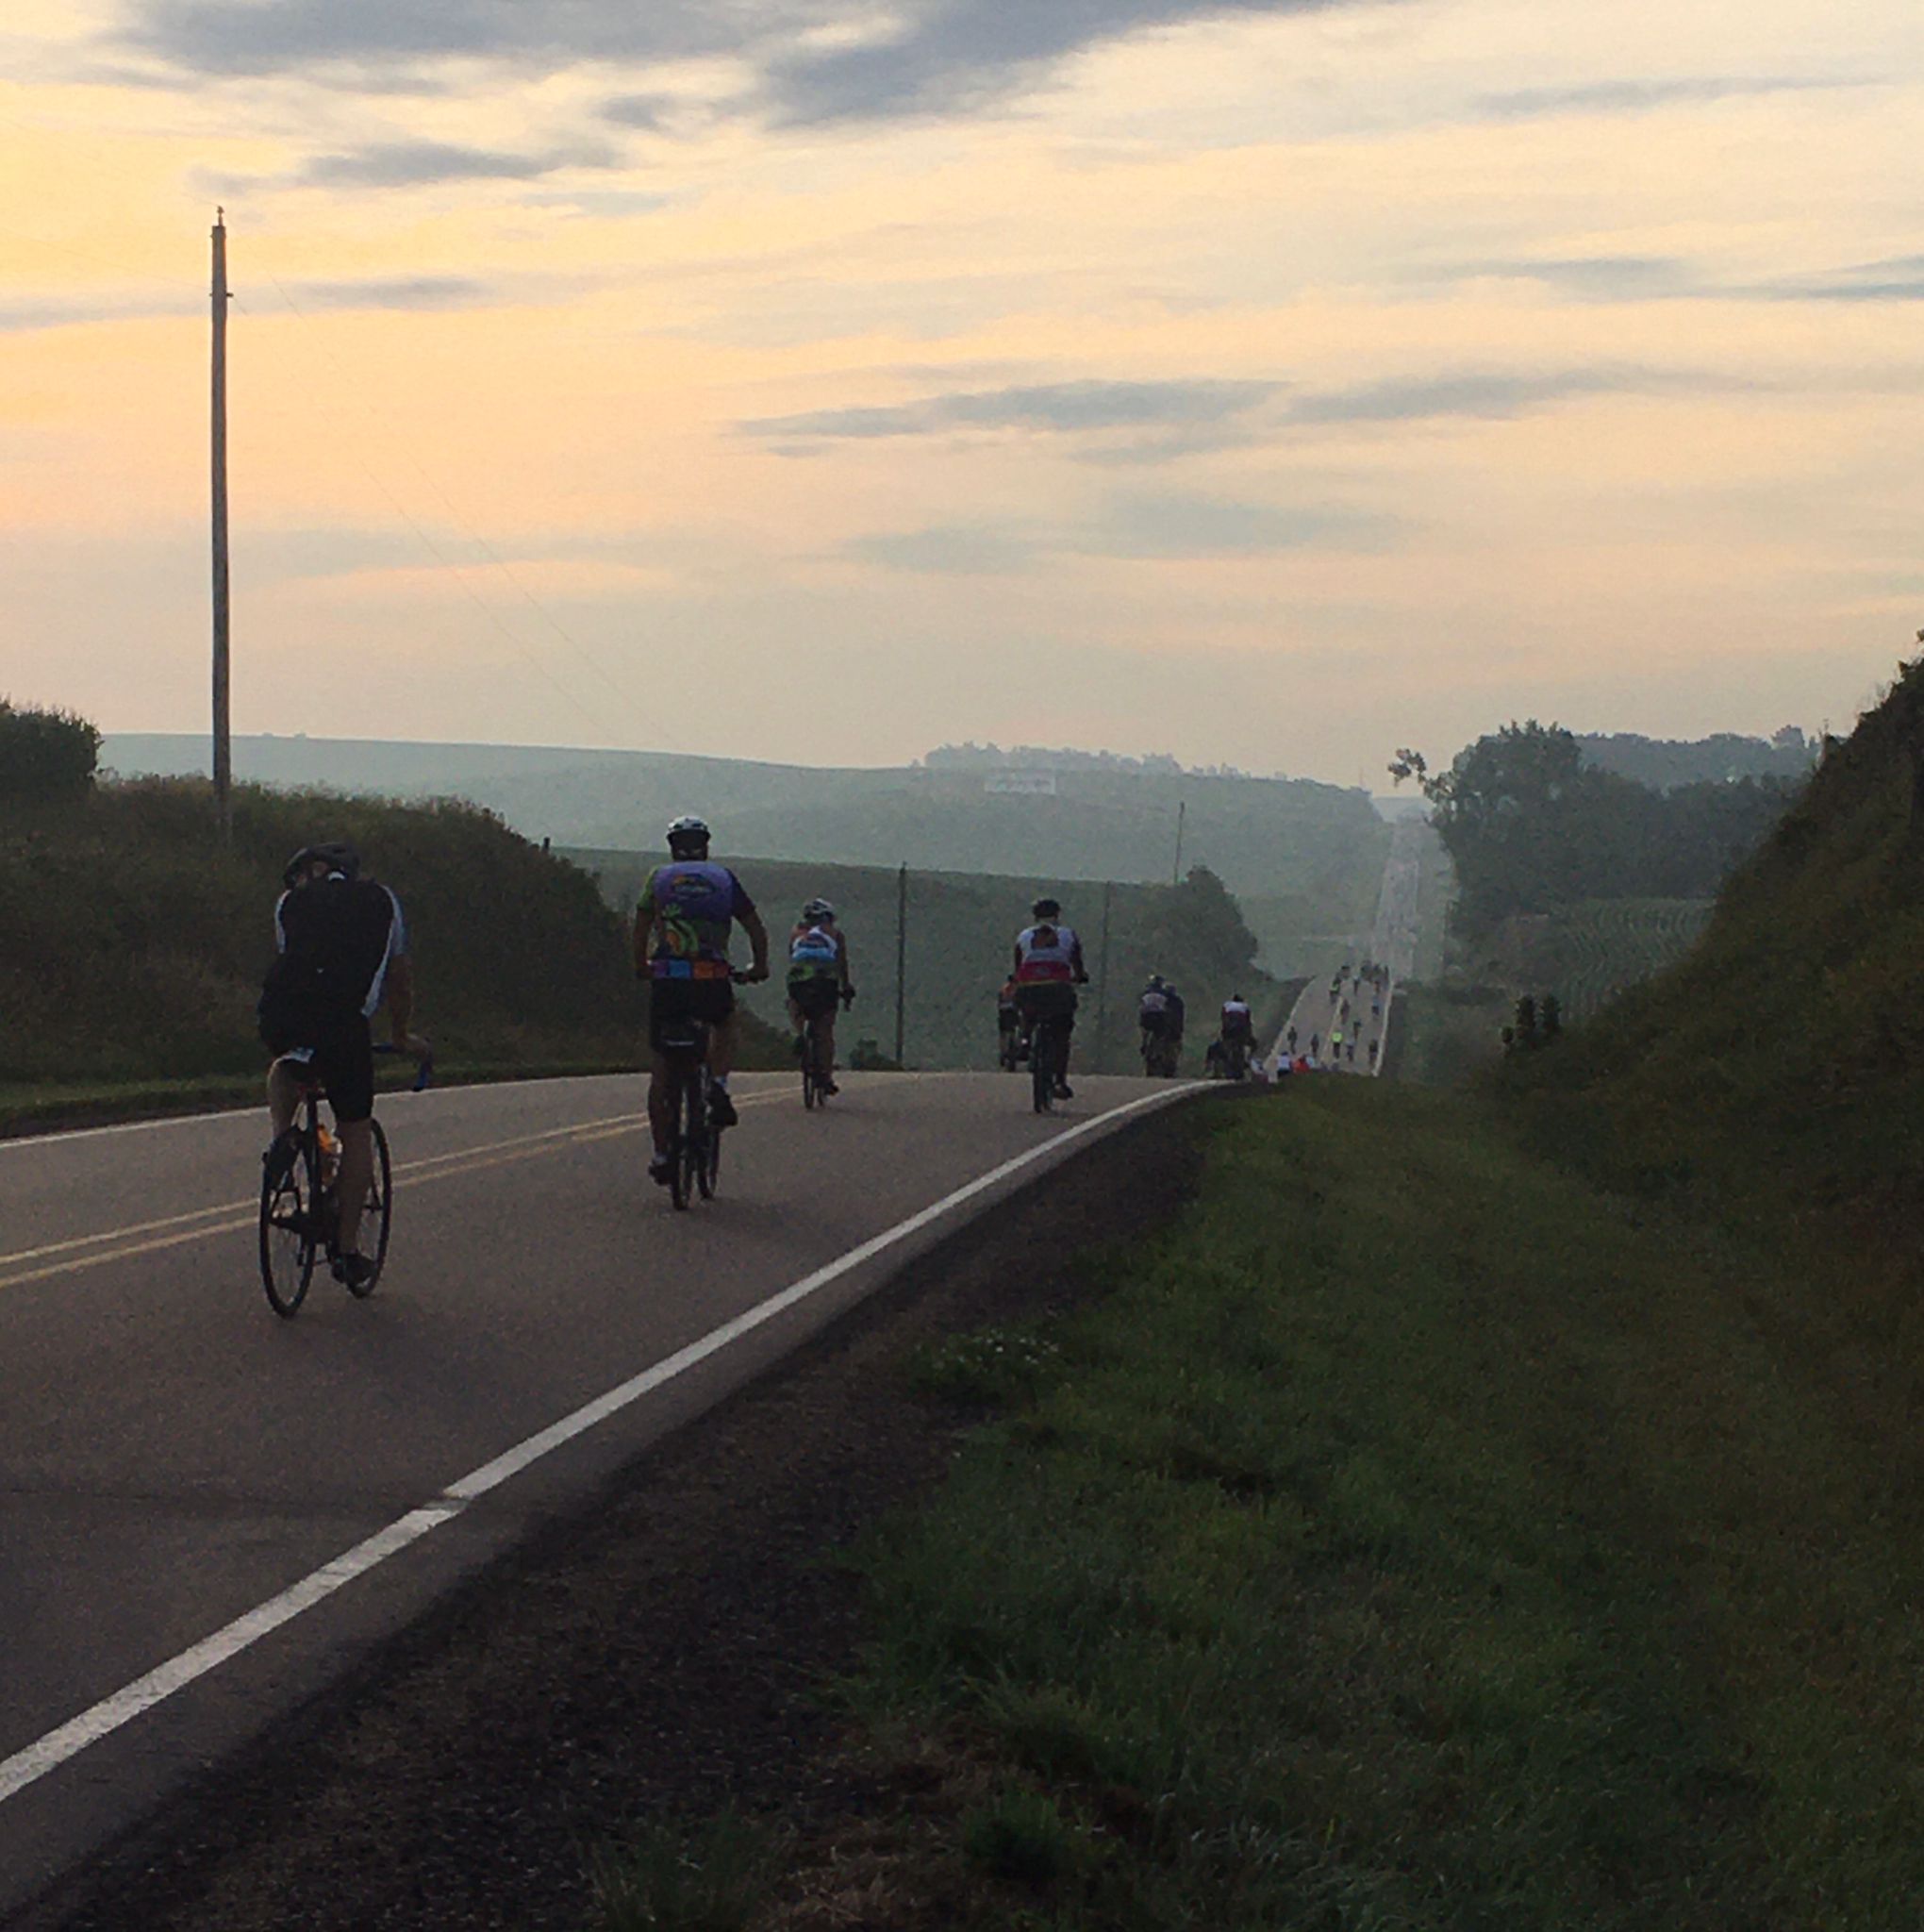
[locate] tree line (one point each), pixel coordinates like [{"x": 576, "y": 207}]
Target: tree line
[{"x": 1530, "y": 825}]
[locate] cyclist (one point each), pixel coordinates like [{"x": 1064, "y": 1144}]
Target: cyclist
[
  {"x": 1011, "y": 1044},
  {"x": 682, "y": 929},
  {"x": 1152, "y": 1016},
  {"x": 1291, "y": 1036},
  {"x": 340, "y": 949},
  {"x": 1048, "y": 968},
  {"x": 1239, "y": 1033},
  {"x": 817, "y": 980}
]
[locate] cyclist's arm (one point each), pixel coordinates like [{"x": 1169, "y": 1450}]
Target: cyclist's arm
[
  {"x": 842, "y": 956},
  {"x": 645, "y": 928},
  {"x": 1082, "y": 977},
  {"x": 758, "y": 938},
  {"x": 399, "y": 990}
]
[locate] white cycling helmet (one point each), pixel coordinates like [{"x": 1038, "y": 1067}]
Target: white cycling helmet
[
  {"x": 686, "y": 827},
  {"x": 817, "y": 909}
]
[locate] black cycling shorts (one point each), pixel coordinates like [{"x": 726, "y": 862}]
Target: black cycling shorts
[
  {"x": 1049, "y": 999},
  {"x": 814, "y": 995},
  {"x": 342, "y": 1060},
  {"x": 673, "y": 1002}
]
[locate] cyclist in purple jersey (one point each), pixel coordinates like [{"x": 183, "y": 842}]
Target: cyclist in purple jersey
[{"x": 682, "y": 929}]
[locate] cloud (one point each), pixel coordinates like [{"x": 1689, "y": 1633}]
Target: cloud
[
  {"x": 414, "y": 163},
  {"x": 397, "y": 292},
  {"x": 1203, "y": 407},
  {"x": 1484, "y": 394},
  {"x": 1640, "y": 96},
  {"x": 1898, "y": 279},
  {"x": 31, "y": 313},
  {"x": 819, "y": 60},
  {"x": 1160, "y": 528},
  {"x": 1591, "y": 277},
  {"x": 648, "y": 112}
]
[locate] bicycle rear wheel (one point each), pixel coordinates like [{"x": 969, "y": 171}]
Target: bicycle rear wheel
[
  {"x": 377, "y": 1217},
  {"x": 692, "y": 1136},
  {"x": 289, "y": 1225},
  {"x": 1042, "y": 1066}
]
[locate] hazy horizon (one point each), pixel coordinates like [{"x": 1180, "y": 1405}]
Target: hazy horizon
[{"x": 1271, "y": 382}]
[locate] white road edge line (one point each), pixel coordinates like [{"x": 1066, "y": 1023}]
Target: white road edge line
[{"x": 69, "y": 1739}]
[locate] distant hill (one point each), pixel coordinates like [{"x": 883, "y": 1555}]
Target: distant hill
[
  {"x": 960, "y": 926},
  {"x": 1775, "y": 1072},
  {"x": 1309, "y": 854},
  {"x": 132, "y": 939},
  {"x": 1665, "y": 763}
]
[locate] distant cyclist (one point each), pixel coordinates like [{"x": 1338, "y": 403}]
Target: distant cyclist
[
  {"x": 1010, "y": 1044},
  {"x": 682, "y": 929},
  {"x": 341, "y": 950},
  {"x": 1047, "y": 970},
  {"x": 817, "y": 980},
  {"x": 1291, "y": 1037},
  {"x": 1159, "y": 1035},
  {"x": 1239, "y": 1033}
]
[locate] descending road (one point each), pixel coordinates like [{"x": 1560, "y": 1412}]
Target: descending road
[
  {"x": 1347, "y": 1007},
  {"x": 205, "y": 1513}
]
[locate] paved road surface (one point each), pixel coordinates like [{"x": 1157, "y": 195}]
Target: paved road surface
[
  {"x": 1319, "y": 1015},
  {"x": 179, "y": 1469}
]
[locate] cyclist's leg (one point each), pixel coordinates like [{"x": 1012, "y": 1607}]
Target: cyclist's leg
[
  {"x": 285, "y": 1080},
  {"x": 344, "y": 1059}
]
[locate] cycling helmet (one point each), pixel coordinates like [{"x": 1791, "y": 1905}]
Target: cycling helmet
[
  {"x": 338, "y": 856},
  {"x": 1155, "y": 979},
  {"x": 688, "y": 828},
  {"x": 817, "y": 909},
  {"x": 1045, "y": 909}
]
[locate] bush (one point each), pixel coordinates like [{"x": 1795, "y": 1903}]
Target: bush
[{"x": 45, "y": 757}]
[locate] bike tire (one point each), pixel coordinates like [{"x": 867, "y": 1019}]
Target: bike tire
[
  {"x": 705, "y": 1142},
  {"x": 678, "y": 1189},
  {"x": 1042, "y": 1066},
  {"x": 379, "y": 1213},
  {"x": 288, "y": 1230}
]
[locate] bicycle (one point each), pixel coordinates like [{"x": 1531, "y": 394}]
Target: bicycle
[
  {"x": 694, "y": 1143},
  {"x": 818, "y": 1065},
  {"x": 300, "y": 1217},
  {"x": 1044, "y": 1055}
]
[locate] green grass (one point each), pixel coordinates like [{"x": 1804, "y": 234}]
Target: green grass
[
  {"x": 1414, "y": 1537},
  {"x": 671, "y": 1878}
]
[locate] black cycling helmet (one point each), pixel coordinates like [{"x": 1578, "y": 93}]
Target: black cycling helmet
[
  {"x": 1155, "y": 979},
  {"x": 338, "y": 856},
  {"x": 1045, "y": 909}
]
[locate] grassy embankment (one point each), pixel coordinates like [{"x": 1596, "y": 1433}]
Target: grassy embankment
[
  {"x": 960, "y": 926},
  {"x": 1413, "y": 1536},
  {"x": 132, "y": 944}
]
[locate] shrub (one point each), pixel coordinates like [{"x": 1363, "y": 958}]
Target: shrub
[{"x": 45, "y": 755}]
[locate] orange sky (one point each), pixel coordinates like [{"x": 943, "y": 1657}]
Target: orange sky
[{"x": 805, "y": 380}]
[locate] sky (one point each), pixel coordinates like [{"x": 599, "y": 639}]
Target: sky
[{"x": 1271, "y": 382}]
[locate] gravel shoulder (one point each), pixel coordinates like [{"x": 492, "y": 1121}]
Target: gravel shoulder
[{"x": 655, "y": 1653}]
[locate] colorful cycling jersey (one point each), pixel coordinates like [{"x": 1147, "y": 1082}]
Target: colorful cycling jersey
[
  {"x": 692, "y": 906},
  {"x": 1047, "y": 955},
  {"x": 1236, "y": 1017},
  {"x": 1153, "y": 1001},
  {"x": 814, "y": 953}
]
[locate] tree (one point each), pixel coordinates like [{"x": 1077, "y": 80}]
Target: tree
[{"x": 45, "y": 757}]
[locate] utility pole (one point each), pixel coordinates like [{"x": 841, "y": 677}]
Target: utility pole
[
  {"x": 1176, "y": 870},
  {"x": 900, "y": 960},
  {"x": 1103, "y": 978},
  {"x": 224, "y": 773}
]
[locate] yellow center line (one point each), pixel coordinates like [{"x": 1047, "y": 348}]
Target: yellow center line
[{"x": 434, "y": 1167}]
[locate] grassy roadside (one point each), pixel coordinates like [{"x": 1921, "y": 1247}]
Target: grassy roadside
[{"x": 1413, "y": 1536}]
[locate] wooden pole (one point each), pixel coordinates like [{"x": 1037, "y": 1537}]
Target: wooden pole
[
  {"x": 223, "y": 745},
  {"x": 1176, "y": 870},
  {"x": 1099, "y": 1056},
  {"x": 901, "y": 962}
]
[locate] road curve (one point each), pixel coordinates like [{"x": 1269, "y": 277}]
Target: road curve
[{"x": 206, "y": 1513}]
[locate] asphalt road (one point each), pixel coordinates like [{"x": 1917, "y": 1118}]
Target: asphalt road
[{"x": 207, "y": 1513}]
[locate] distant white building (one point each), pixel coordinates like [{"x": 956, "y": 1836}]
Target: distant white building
[{"x": 1021, "y": 784}]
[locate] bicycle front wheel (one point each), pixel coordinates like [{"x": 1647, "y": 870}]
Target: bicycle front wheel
[
  {"x": 378, "y": 1218},
  {"x": 290, "y": 1223}
]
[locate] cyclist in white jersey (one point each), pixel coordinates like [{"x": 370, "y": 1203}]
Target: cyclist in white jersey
[{"x": 1048, "y": 970}]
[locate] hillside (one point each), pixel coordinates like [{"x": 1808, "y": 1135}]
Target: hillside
[
  {"x": 1310, "y": 854},
  {"x": 959, "y": 928},
  {"x": 132, "y": 942},
  {"x": 1774, "y": 1072},
  {"x": 1665, "y": 763}
]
